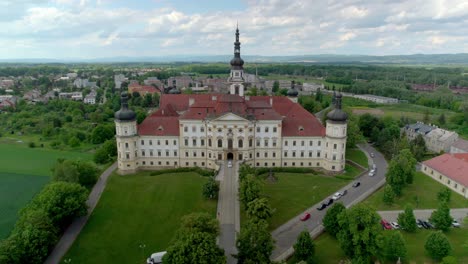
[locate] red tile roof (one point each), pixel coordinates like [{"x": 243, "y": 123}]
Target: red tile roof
[
  {"x": 454, "y": 166},
  {"x": 159, "y": 126},
  {"x": 142, "y": 89},
  {"x": 296, "y": 120}
]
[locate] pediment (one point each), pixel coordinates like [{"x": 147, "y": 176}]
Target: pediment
[{"x": 230, "y": 117}]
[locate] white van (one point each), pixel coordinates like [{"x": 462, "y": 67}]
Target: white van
[{"x": 156, "y": 258}]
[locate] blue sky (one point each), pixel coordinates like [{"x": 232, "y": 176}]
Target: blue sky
[{"x": 64, "y": 29}]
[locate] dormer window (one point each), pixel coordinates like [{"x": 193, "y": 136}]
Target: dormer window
[
  {"x": 301, "y": 128},
  {"x": 160, "y": 128}
]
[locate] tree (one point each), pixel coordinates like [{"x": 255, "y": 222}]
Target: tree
[
  {"x": 259, "y": 209},
  {"x": 441, "y": 217},
  {"x": 407, "y": 219},
  {"x": 276, "y": 87},
  {"x": 360, "y": 234},
  {"x": 318, "y": 95},
  {"x": 304, "y": 247},
  {"x": 444, "y": 195},
  {"x": 395, "y": 247},
  {"x": 62, "y": 202},
  {"x": 249, "y": 189},
  {"x": 367, "y": 123},
  {"x": 102, "y": 133},
  {"x": 330, "y": 221},
  {"x": 441, "y": 119},
  {"x": 106, "y": 152},
  {"x": 401, "y": 171},
  {"x": 199, "y": 222},
  {"x": 33, "y": 237},
  {"x": 87, "y": 172},
  {"x": 196, "y": 247},
  {"x": 65, "y": 170},
  {"x": 437, "y": 245},
  {"x": 418, "y": 147},
  {"x": 388, "y": 195},
  {"x": 354, "y": 134},
  {"x": 254, "y": 243},
  {"x": 210, "y": 189}
]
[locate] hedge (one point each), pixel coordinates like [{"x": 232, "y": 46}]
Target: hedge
[{"x": 200, "y": 171}]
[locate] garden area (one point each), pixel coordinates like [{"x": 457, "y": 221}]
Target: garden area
[
  {"x": 421, "y": 194},
  {"x": 23, "y": 173},
  {"x": 137, "y": 210}
]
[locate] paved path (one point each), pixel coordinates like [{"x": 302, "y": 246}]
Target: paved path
[
  {"x": 72, "y": 232},
  {"x": 391, "y": 216},
  {"x": 286, "y": 235},
  {"x": 228, "y": 209}
]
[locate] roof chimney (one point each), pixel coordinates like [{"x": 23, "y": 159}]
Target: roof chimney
[
  {"x": 191, "y": 101},
  {"x": 213, "y": 98},
  {"x": 271, "y": 100},
  {"x": 247, "y": 98}
]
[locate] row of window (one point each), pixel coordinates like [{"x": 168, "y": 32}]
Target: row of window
[
  {"x": 158, "y": 153},
  {"x": 302, "y": 143},
  {"x": 157, "y": 142},
  {"x": 293, "y": 164},
  {"x": 230, "y": 130},
  {"x": 230, "y": 143}
]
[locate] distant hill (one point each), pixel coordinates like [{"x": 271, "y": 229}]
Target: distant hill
[{"x": 460, "y": 58}]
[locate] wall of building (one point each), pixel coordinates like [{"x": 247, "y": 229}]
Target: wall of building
[{"x": 453, "y": 185}]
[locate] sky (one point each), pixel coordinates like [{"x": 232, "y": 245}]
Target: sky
[{"x": 87, "y": 29}]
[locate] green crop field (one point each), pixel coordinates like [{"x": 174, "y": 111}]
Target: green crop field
[
  {"x": 138, "y": 209},
  {"x": 23, "y": 173}
]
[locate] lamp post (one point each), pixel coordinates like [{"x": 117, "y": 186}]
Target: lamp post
[{"x": 142, "y": 246}]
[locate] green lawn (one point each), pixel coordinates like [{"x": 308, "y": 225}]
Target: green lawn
[
  {"x": 23, "y": 173},
  {"x": 18, "y": 158},
  {"x": 424, "y": 188},
  {"x": 16, "y": 190},
  {"x": 327, "y": 249},
  {"x": 292, "y": 193},
  {"x": 138, "y": 209},
  {"x": 357, "y": 156}
]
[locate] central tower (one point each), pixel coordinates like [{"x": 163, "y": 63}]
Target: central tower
[{"x": 236, "y": 78}]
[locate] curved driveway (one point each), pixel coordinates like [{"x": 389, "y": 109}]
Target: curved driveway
[{"x": 286, "y": 235}]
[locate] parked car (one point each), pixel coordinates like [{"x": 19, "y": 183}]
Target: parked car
[
  {"x": 385, "y": 224},
  {"x": 305, "y": 216},
  {"x": 229, "y": 164},
  {"x": 156, "y": 258},
  {"x": 455, "y": 223},
  {"x": 356, "y": 184},
  {"x": 330, "y": 201},
  {"x": 395, "y": 225},
  {"x": 372, "y": 155},
  {"x": 419, "y": 223},
  {"x": 371, "y": 173},
  {"x": 337, "y": 196},
  {"x": 322, "y": 206},
  {"x": 374, "y": 167},
  {"x": 423, "y": 223}
]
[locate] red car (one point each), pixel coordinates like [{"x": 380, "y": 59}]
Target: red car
[
  {"x": 305, "y": 216},
  {"x": 385, "y": 224}
]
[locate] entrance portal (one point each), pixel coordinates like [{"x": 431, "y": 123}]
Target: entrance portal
[{"x": 230, "y": 156}]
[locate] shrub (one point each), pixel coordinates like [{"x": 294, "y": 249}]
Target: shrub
[
  {"x": 31, "y": 144},
  {"x": 200, "y": 171}
]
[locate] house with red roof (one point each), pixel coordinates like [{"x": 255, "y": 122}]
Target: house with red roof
[
  {"x": 142, "y": 89},
  {"x": 449, "y": 169},
  {"x": 206, "y": 130}
]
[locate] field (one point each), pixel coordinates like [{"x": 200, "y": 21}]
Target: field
[
  {"x": 138, "y": 209},
  {"x": 424, "y": 188},
  {"x": 292, "y": 193},
  {"x": 23, "y": 173},
  {"x": 328, "y": 251}
]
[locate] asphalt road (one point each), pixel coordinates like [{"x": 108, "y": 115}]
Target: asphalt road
[
  {"x": 286, "y": 235},
  {"x": 228, "y": 210}
]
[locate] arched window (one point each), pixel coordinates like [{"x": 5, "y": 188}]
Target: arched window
[
  {"x": 241, "y": 143},
  {"x": 209, "y": 142},
  {"x": 220, "y": 143},
  {"x": 229, "y": 143}
]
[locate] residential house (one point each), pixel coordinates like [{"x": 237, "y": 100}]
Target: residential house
[
  {"x": 7, "y": 101},
  {"x": 142, "y": 89},
  {"x": 90, "y": 98},
  {"x": 459, "y": 146},
  {"x": 118, "y": 80},
  {"x": 74, "y": 96}
]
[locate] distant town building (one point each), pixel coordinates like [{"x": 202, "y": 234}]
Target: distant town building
[
  {"x": 459, "y": 146},
  {"x": 90, "y": 98},
  {"x": 449, "y": 169},
  {"x": 216, "y": 84},
  {"x": 154, "y": 81},
  {"x": 74, "y": 96},
  {"x": 433, "y": 87},
  {"x": 309, "y": 88},
  {"x": 72, "y": 75},
  {"x": 283, "y": 84},
  {"x": 142, "y": 89},
  {"x": 83, "y": 83},
  {"x": 436, "y": 139},
  {"x": 180, "y": 81},
  {"x": 32, "y": 95},
  {"x": 118, "y": 80},
  {"x": 7, "y": 101},
  {"x": 6, "y": 84},
  {"x": 377, "y": 99}
]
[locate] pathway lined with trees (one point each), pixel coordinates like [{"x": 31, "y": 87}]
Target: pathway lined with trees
[{"x": 72, "y": 232}]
